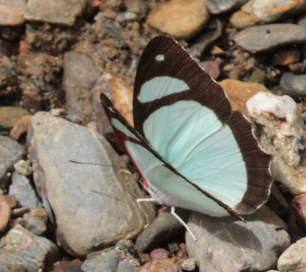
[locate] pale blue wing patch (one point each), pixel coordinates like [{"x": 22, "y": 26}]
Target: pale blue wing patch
[
  {"x": 192, "y": 139},
  {"x": 120, "y": 127},
  {"x": 161, "y": 86},
  {"x": 168, "y": 188}
]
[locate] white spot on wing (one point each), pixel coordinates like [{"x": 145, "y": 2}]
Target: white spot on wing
[{"x": 160, "y": 57}]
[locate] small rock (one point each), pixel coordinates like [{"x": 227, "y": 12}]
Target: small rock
[
  {"x": 240, "y": 92},
  {"x": 299, "y": 207},
  {"x": 125, "y": 17},
  {"x": 11, "y": 152},
  {"x": 34, "y": 221},
  {"x": 66, "y": 266},
  {"x": 159, "y": 264},
  {"x": 11, "y": 12},
  {"x": 20, "y": 127},
  {"x": 159, "y": 252},
  {"x": 206, "y": 38},
  {"x": 286, "y": 57},
  {"x": 178, "y": 19},
  {"x": 298, "y": 68},
  {"x": 258, "y": 76},
  {"x": 280, "y": 132},
  {"x": 212, "y": 68},
  {"x": 263, "y": 12},
  {"x": 32, "y": 252},
  {"x": 163, "y": 228},
  {"x": 54, "y": 12},
  {"x": 10, "y": 115},
  {"x": 23, "y": 167},
  {"x": 188, "y": 265},
  {"x": 77, "y": 88},
  {"x": 293, "y": 84},
  {"x": 5, "y": 214},
  {"x": 108, "y": 201},
  {"x": 123, "y": 257},
  {"x": 22, "y": 190},
  {"x": 220, "y": 6},
  {"x": 224, "y": 244},
  {"x": 267, "y": 37},
  {"x": 294, "y": 258}
]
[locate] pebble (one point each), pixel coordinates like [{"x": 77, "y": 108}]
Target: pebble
[
  {"x": 20, "y": 127},
  {"x": 11, "y": 12},
  {"x": 299, "y": 208},
  {"x": 220, "y": 6},
  {"x": 294, "y": 258},
  {"x": 267, "y": 37},
  {"x": 159, "y": 252},
  {"x": 11, "y": 152},
  {"x": 286, "y": 56},
  {"x": 159, "y": 264},
  {"x": 66, "y": 266},
  {"x": 10, "y": 115},
  {"x": 178, "y": 19},
  {"x": 280, "y": 132},
  {"x": 225, "y": 244},
  {"x": 165, "y": 227},
  {"x": 263, "y": 12},
  {"x": 24, "y": 167},
  {"x": 76, "y": 86},
  {"x": 293, "y": 84},
  {"x": 108, "y": 201},
  {"x": 54, "y": 12},
  {"x": 34, "y": 221},
  {"x": 5, "y": 214},
  {"x": 240, "y": 92},
  {"x": 22, "y": 190},
  {"x": 123, "y": 258},
  {"x": 298, "y": 67},
  {"x": 212, "y": 68},
  {"x": 20, "y": 247}
]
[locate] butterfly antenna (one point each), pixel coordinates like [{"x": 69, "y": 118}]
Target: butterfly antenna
[
  {"x": 99, "y": 164},
  {"x": 182, "y": 222}
]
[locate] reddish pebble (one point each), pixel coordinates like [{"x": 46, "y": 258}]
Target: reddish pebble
[
  {"x": 286, "y": 57},
  {"x": 212, "y": 68},
  {"x": 21, "y": 127},
  {"x": 5, "y": 214},
  {"x": 159, "y": 252}
]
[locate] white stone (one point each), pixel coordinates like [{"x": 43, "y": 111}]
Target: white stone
[{"x": 282, "y": 134}]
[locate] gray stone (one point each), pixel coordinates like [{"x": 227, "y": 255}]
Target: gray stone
[
  {"x": 31, "y": 251},
  {"x": 294, "y": 258},
  {"x": 11, "y": 152},
  {"x": 123, "y": 258},
  {"x": 219, "y": 6},
  {"x": 22, "y": 190},
  {"x": 164, "y": 227},
  {"x": 94, "y": 205},
  {"x": 57, "y": 11},
  {"x": 224, "y": 244},
  {"x": 9, "y": 262},
  {"x": 267, "y": 37},
  {"x": 79, "y": 73},
  {"x": 293, "y": 84},
  {"x": 11, "y": 12}
]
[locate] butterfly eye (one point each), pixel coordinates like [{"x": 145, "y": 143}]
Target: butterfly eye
[{"x": 160, "y": 57}]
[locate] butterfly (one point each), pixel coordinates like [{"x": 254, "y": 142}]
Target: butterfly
[{"x": 192, "y": 149}]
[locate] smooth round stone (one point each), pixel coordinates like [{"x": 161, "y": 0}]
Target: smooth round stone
[
  {"x": 219, "y": 6},
  {"x": 266, "y": 37},
  {"x": 293, "y": 84},
  {"x": 179, "y": 19}
]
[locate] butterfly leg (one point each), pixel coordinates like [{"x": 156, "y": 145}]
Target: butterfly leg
[{"x": 182, "y": 222}]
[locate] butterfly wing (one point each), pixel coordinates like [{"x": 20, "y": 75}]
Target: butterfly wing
[
  {"x": 187, "y": 119},
  {"x": 159, "y": 173}
]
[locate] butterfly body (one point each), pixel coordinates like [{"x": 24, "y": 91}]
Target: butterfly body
[{"x": 192, "y": 149}]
